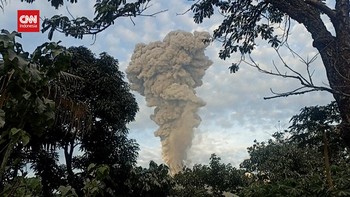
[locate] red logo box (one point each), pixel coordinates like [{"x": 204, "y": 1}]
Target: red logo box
[{"x": 28, "y": 20}]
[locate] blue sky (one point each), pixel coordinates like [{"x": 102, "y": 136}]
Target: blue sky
[{"x": 235, "y": 114}]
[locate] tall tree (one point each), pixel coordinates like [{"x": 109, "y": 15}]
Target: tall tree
[
  {"x": 43, "y": 109},
  {"x": 246, "y": 20},
  {"x": 102, "y": 106}
]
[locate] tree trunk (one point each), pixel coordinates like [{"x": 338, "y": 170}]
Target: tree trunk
[
  {"x": 336, "y": 59},
  {"x": 334, "y": 49},
  {"x": 68, "y": 154},
  {"x": 73, "y": 180},
  {"x": 326, "y": 158}
]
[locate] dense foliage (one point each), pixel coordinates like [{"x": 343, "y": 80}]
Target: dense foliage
[
  {"x": 26, "y": 111},
  {"x": 57, "y": 100}
]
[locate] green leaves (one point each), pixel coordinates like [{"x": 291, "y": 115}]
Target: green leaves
[
  {"x": 22, "y": 92},
  {"x": 244, "y": 22},
  {"x": 208, "y": 180},
  {"x": 19, "y": 135},
  {"x": 101, "y": 171},
  {"x": 274, "y": 41},
  {"x": 294, "y": 162},
  {"x": 234, "y": 68},
  {"x": 51, "y": 58},
  {"x": 152, "y": 181},
  {"x": 67, "y": 191},
  {"x": 106, "y": 12},
  {"x": 26, "y": 112},
  {"x": 25, "y": 187},
  {"x": 95, "y": 184},
  {"x": 204, "y": 9}
]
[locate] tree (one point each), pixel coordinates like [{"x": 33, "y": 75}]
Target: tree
[
  {"x": 43, "y": 109},
  {"x": 87, "y": 106},
  {"x": 208, "y": 180},
  {"x": 92, "y": 114},
  {"x": 26, "y": 111},
  {"x": 316, "y": 126},
  {"x": 308, "y": 159},
  {"x": 106, "y": 13},
  {"x": 280, "y": 168},
  {"x": 245, "y": 21},
  {"x": 154, "y": 181}
]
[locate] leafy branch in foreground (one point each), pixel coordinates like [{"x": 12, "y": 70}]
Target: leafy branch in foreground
[
  {"x": 106, "y": 13},
  {"x": 26, "y": 111},
  {"x": 60, "y": 99}
]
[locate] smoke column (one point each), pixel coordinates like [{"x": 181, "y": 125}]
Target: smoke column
[{"x": 166, "y": 73}]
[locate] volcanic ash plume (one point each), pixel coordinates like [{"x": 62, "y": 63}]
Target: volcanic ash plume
[{"x": 166, "y": 73}]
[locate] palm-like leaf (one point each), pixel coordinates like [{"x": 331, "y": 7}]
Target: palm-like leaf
[{"x": 70, "y": 111}]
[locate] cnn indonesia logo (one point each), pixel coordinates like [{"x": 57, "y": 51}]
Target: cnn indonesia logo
[{"x": 28, "y": 20}]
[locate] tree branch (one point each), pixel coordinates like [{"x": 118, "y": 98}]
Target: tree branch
[
  {"x": 105, "y": 16},
  {"x": 294, "y": 92},
  {"x": 306, "y": 83},
  {"x": 304, "y": 13},
  {"x": 322, "y": 6}
]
